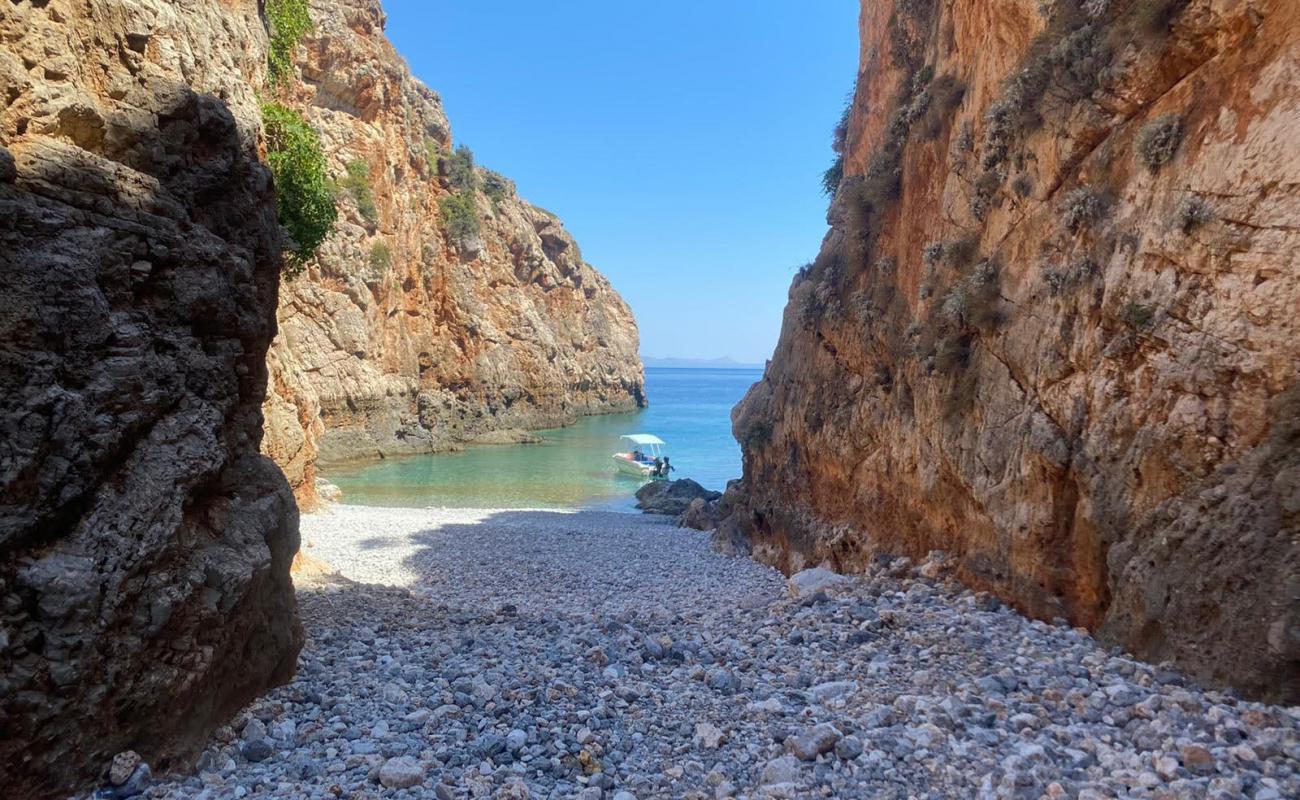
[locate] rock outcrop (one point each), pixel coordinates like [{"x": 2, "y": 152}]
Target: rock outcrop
[
  {"x": 1053, "y": 329},
  {"x": 409, "y": 333},
  {"x": 672, "y": 497},
  {"x": 144, "y": 541}
]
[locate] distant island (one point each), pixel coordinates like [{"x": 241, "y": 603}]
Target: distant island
[{"x": 698, "y": 363}]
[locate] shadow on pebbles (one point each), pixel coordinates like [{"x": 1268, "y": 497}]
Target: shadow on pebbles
[{"x": 514, "y": 654}]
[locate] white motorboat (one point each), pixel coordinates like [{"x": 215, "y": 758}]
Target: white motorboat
[{"x": 645, "y": 459}]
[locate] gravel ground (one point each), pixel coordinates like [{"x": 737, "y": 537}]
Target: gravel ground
[{"x": 602, "y": 655}]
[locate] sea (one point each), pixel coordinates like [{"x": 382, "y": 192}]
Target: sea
[{"x": 689, "y": 408}]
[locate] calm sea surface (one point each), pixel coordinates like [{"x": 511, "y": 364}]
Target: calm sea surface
[{"x": 690, "y": 409}]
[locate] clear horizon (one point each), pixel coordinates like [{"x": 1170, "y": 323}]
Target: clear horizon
[{"x": 682, "y": 144}]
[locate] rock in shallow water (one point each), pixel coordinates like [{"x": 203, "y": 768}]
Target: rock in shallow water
[{"x": 672, "y": 497}]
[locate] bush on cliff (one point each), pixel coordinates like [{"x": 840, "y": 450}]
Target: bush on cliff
[
  {"x": 496, "y": 186},
  {"x": 1158, "y": 141},
  {"x": 459, "y": 169},
  {"x": 357, "y": 184},
  {"x": 289, "y": 20},
  {"x": 832, "y": 176},
  {"x": 304, "y": 201},
  {"x": 381, "y": 255},
  {"x": 459, "y": 216}
]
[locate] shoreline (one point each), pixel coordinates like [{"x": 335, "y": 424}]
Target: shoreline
[{"x": 574, "y": 653}]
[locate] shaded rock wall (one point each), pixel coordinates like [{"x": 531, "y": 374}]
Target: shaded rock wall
[
  {"x": 144, "y": 541},
  {"x": 400, "y": 337},
  {"x": 1053, "y": 328}
]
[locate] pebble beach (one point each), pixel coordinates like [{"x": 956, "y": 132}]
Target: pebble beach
[{"x": 545, "y": 654}]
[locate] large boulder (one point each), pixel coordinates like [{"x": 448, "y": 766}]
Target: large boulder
[
  {"x": 144, "y": 542},
  {"x": 672, "y": 497},
  {"x": 705, "y": 514}
]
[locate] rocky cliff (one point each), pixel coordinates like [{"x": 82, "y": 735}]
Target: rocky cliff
[
  {"x": 1053, "y": 329},
  {"x": 443, "y": 306},
  {"x": 144, "y": 541}
]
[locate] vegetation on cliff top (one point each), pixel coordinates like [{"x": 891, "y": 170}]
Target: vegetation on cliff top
[
  {"x": 459, "y": 168},
  {"x": 303, "y": 195}
]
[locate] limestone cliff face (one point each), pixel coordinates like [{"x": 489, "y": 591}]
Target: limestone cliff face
[
  {"x": 403, "y": 336},
  {"x": 1054, "y": 327},
  {"x": 144, "y": 541}
]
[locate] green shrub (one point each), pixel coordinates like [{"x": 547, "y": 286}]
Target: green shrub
[
  {"x": 1158, "y": 141},
  {"x": 832, "y": 176},
  {"x": 1082, "y": 208},
  {"x": 908, "y": 26},
  {"x": 1138, "y": 315},
  {"x": 945, "y": 96},
  {"x": 381, "y": 255},
  {"x": 884, "y": 179},
  {"x": 1077, "y": 61},
  {"x": 304, "y": 201},
  {"x": 357, "y": 184},
  {"x": 840, "y": 134},
  {"x": 289, "y": 20},
  {"x": 459, "y": 169},
  {"x": 1062, "y": 277},
  {"x": 432, "y": 153},
  {"x": 965, "y": 140},
  {"x": 496, "y": 186},
  {"x": 459, "y": 216},
  {"x": 1192, "y": 213},
  {"x": 984, "y": 293}
]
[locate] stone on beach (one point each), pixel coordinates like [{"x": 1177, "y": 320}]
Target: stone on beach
[
  {"x": 556, "y": 655},
  {"x": 813, "y": 742},
  {"x": 401, "y": 773},
  {"x": 811, "y": 581}
]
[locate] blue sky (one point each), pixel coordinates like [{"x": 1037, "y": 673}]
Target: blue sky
[{"x": 680, "y": 142}]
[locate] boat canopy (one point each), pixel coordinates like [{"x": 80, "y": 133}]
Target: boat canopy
[{"x": 643, "y": 438}]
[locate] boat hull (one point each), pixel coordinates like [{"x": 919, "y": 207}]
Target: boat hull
[{"x": 629, "y": 467}]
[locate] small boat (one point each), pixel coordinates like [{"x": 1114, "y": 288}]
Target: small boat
[{"x": 645, "y": 459}]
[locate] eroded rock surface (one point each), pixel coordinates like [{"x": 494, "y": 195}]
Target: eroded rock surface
[
  {"x": 144, "y": 541},
  {"x": 1053, "y": 329},
  {"x": 402, "y": 337}
]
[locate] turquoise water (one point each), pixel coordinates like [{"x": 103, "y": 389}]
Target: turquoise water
[{"x": 690, "y": 409}]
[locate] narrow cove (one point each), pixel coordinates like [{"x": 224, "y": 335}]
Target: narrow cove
[{"x": 689, "y": 408}]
